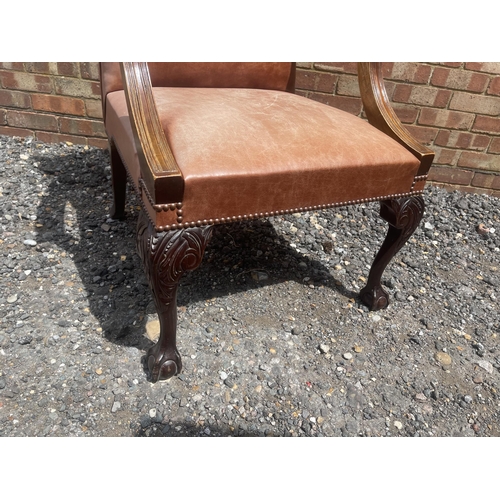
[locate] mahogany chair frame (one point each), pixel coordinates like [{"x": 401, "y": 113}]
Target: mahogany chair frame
[{"x": 168, "y": 252}]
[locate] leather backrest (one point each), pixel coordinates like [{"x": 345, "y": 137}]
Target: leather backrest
[{"x": 271, "y": 76}]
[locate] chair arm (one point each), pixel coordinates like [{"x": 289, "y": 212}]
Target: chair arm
[
  {"x": 159, "y": 169},
  {"x": 382, "y": 116}
]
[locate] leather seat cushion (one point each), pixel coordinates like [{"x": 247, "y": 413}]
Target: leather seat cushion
[{"x": 245, "y": 152}]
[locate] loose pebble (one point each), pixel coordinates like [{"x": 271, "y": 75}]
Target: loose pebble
[
  {"x": 259, "y": 323},
  {"x": 443, "y": 357},
  {"x": 485, "y": 365}
]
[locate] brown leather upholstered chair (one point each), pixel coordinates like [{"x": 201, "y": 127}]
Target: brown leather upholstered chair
[{"x": 213, "y": 143}]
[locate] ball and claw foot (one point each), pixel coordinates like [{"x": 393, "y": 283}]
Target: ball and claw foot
[
  {"x": 163, "y": 365},
  {"x": 375, "y": 298}
]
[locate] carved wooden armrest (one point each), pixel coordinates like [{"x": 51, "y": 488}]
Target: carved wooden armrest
[
  {"x": 382, "y": 116},
  {"x": 160, "y": 171}
]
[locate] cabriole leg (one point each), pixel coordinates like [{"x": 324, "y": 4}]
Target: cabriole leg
[
  {"x": 403, "y": 216},
  {"x": 166, "y": 257},
  {"x": 119, "y": 183}
]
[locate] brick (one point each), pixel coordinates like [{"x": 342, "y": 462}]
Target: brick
[
  {"x": 488, "y": 181},
  {"x": 76, "y": 87},
  {"x": 480, "y": 142},
  {"x": 425, "y": 135},
  {"x": 68, "y": 69},
  {"x": 58, "y": 104},
  {"x": 24, "y": 81},
  {"x": 340, "y": 67},
  {"x": 94, "y": 108},
  {"x": 446, "y": 119},
  {"x": 38, "y": 121},
  {"x": 402, "y": 93},
  {"x": 38, "y": 67},
  {"x": 313, "y": 80},
  {"x": 13, "y": 99},
  {"x": 89, "y": 70},
  {"x": 480, "y": 104},
  {"x": 3, "y": 117},
  {"x": 387, "y": 69},
  {"x": 487, "y": 124},
  {"x": 494, "y": 146},
  {"x": 439, "y": 77},
  {"x": 348, "y": 86},
  {"x": 445, "y": 138},
  {"x": 487, "y": 67},
  {"x": 407, "y": 114},
  {"x": 326, "y": 82},
  {"x": 17, "y": 66},
  {"x": 494, "y": 87},
  {"x": 451, "y": 175},
  {"x": 476, "y": 190},
  {"x": 352, "y": 105},
  {"x": 98, "y": 143},
  {"x": 306, "y": 65},
  {"x": 479, "y": 161},
  {"x": 411, "y": 72},
  {"x": 460, "y": 79},
  {"x": 421, "y": 95},
  {"x": 15, "y": 132},
  {"x": 56, "y": 138},
  {"x": 462, "y": 140},
  {"x": 452, "y": 64},
  {"x": 75, "y": 126},
  {"x": 445, "y": 156}
]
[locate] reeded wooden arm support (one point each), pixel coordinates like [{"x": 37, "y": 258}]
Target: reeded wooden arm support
[
  {"x": 159, "y": 169},
  {"x": 381, "y": 115}
]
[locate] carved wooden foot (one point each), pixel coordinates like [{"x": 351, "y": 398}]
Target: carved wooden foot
[
  {"x": 166, "y": 257},
  {"x": 119, "y": 183},
  {"x": 403, "y": 216}
]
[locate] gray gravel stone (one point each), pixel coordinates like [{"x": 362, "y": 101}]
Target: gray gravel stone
[{"x": 80, "y": 297}]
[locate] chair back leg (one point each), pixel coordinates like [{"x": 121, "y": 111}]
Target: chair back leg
[{"x": 119, "y": 183}]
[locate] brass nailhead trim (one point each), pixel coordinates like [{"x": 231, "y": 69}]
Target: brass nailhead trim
[
  {"x": 223, "y": 220},
  {"x": 416, "y": 179},
  {"x": 160, "y": 207}
]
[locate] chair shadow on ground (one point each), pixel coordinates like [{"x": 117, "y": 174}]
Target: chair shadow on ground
[{"x": 73, "y": 216}]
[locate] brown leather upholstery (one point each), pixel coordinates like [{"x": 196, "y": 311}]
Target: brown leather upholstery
[
  {"x": 271, "y": 76},
  {"x": 244, "y": 152}
]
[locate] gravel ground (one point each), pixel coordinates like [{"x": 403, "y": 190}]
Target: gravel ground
[{"x": 273, "y": 338}]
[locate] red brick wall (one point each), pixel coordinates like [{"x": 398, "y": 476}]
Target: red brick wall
[
  {"x": 53, "y": 102},
  {"x": 452, "y": 107}
]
